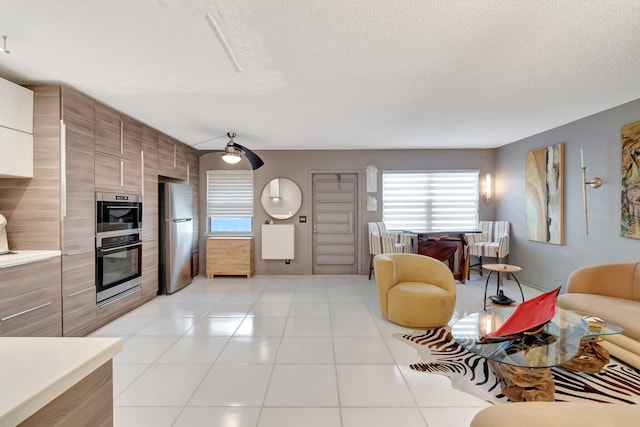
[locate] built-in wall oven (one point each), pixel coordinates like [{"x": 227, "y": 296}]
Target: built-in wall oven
[
  {"x": 118, "y": 266},
  {"x": 118, "y": 212},
  {"x": 118, "y": 246}
]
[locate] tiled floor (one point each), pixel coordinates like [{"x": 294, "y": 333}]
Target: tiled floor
[{"x": 280, "y": 351}]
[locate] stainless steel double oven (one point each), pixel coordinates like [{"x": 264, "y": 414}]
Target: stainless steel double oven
[{"x": 118, "y": 246}]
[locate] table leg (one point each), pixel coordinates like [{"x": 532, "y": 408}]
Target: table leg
[
  {"x": 516, "y": 279},
  {"x": 524, "y": 384},
  {"x": 591, "y": 357},
  {"x": 486, "y": 284}
]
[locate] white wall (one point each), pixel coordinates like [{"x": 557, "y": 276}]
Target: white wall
[{"x": 546, "y": 266}]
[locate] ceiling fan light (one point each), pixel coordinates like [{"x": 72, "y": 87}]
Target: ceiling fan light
[{"x": 231, "y": 156}]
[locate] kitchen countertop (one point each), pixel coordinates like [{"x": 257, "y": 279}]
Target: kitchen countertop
[
  {"x": 34, "y": 371},
  {"x": 25, "y": 256}
]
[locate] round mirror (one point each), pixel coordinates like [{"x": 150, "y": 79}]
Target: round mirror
[{"x": 281, "y": 198}]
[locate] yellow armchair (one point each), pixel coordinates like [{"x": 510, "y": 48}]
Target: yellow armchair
[{"x": 415, "y": 291}]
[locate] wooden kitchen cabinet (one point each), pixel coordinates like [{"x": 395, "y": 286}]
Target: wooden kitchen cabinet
[
  {"x": 229, "y": 256},
  {"x": 150, "y": 283},
  {"x": 117, "y": 174},
  {"x": 79, "y": 209},
  {"x": 149, "y": 269},
  {"x": 30, "y": 299},
  {"x": 116, "y": 134},
  {"x": 172, "y": 158},
  {"x": 150, "y": 184},
  {"x": 150, "y": 214},
  {"x": 118, "y": 143},
  {"x": 78, "y": 294}
]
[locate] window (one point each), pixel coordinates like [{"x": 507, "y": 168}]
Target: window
[
  {"x": 230, "y": 202},
  {"x": 430, "y": 201}
]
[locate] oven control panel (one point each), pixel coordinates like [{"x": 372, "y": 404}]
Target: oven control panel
[{"x": 119, "y": 240}]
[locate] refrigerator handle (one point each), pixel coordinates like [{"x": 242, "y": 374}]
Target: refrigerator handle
[{"x": 180, "y": 220}]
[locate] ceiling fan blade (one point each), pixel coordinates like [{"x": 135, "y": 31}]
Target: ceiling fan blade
[{"x": 253, "y": 158}]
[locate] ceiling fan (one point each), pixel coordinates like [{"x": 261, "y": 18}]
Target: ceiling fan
[{"x": 233, "y": 153}]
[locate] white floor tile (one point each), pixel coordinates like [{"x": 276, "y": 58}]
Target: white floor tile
[
  {"x": 233, "y": 385},
  {"x": 215, "y": 326},
  {"x": 350, "y": 310},
  {"x": 124, "y": 326},
  {"x": 138, "y": 349},
  {"x": 188, "y": 309},
  {"x": 310, "y": 298},
  {"x": 167, "y": 326},
  {"x": 383, "y": 417},
  {"x": 194, "y": 350},
  {"x": 163, "y": 385},
  {"x": 250, "y": 350},
  {"x": 124, "y": 374},
  {"x": 229, "y": 310},
  {"x": 354, "y": 327},
  {"x": 297, "y": 417},
  {"x": 302, "y": 386},
  {"x": 262, "y": 327},
  {"x": 373, "y": 386},
  {"x": 146, "y": 416},
  {"x": 364, "y": 350},
  {"x": 308, "y": 327},
  {"x": 270, "y": 310},
  {"x": 218, "y": 417},
  {"x": 276, "y": 297},
  {"x": 310, "y": 310},
  {"x": 305, "y": 350}
]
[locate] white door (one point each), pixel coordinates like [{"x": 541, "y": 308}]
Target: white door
[{"x": 335, "y": 223}]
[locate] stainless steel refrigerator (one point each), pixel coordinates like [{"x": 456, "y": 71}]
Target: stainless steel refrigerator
[{"x": 176, "y": 236}]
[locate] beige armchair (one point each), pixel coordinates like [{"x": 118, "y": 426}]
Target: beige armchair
[
  {"x": 382, "y": 241},
  {"x": 415, "y": 290},
  {"x": 492, "y": 241}
]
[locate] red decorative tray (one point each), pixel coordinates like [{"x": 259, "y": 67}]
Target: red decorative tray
[{"x": 528, "y": 316}]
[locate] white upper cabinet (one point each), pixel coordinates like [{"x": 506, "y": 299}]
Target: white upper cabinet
[{"x": 16, "y": 131}]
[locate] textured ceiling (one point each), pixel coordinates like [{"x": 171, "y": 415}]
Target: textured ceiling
[{"x": 329, "y": 74}]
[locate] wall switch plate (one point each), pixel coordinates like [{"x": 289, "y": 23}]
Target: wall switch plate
[{"x": 303, "y": 218}]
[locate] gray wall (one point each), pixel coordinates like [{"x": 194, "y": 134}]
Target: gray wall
[
  {"x": 547, "y": 266},
  {"x": 299, "y": 165}
]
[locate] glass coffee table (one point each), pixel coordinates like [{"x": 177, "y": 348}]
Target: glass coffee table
[{"x": 523, "y": 364}]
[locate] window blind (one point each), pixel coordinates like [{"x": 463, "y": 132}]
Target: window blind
[
  {"x": 229, "y": 198},
  {"x": 430, "y": 201}
]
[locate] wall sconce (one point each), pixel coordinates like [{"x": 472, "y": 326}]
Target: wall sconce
[
  {"x": 4, "y": 45},
  {"x": 487, "y": 188},
  {"x": 595, "y": 182}
]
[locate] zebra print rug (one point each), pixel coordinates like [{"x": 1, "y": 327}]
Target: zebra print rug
[{"x": 470, "y": 373}]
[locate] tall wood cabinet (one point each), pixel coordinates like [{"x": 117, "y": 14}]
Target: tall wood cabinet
[
  {"x": 150, "y": 214},
  {"x": 78, "y": 214}
]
